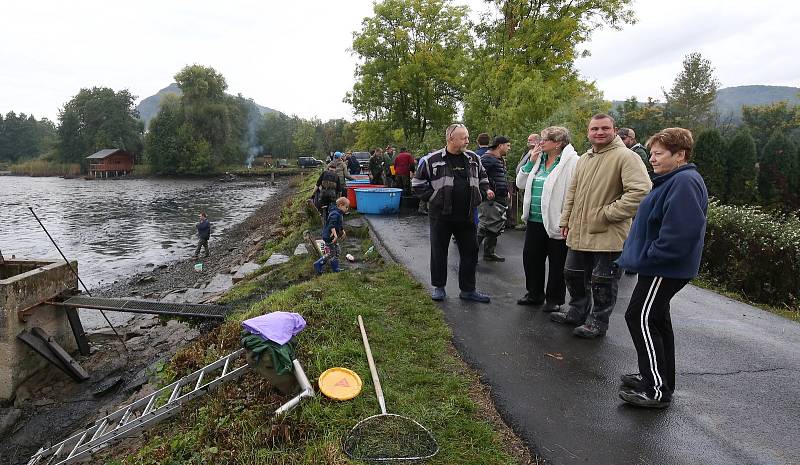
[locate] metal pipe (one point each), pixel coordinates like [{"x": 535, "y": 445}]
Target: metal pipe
[
  {"x": 76, "y": 275},
  {"x": 305, "y": 384}
]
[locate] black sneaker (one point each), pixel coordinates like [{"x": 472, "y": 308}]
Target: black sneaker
[
  {"x": 641, "y": 399},
  {"x": 528, "y": 300},
  {"x": 633, "y": 380},
  {"x": 438, "y": 294}
]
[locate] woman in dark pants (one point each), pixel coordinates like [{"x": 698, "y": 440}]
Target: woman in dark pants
[
  {"x": 664, "y": 246},
  {"x": 545, "y": 179}
]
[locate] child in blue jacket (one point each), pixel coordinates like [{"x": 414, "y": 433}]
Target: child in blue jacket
[{"x": 333, "y": 234}]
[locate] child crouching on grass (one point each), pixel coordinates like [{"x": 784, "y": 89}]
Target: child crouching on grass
[{"x": 333, "y": 235}]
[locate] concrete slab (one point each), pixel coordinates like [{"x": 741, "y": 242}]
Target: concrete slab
[
  {"x": 276, "y": 259},
  {"x": 219, "y": 283},
  {"x": 737, "y": 369},
  {"x": 245, "y": 270}
]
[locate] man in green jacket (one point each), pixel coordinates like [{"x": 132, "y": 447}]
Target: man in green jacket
[
  {"x": 608, "y": 184},
  {"x": 628, "y": 137}
]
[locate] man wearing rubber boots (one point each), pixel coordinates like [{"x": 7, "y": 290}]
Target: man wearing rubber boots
[
  {"x": 609, "y": 183},
  {"x": 454, "y": 183}
]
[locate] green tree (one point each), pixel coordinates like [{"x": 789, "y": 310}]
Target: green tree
[
  {"x": 645, "y": 120},
  {"x": 96, "y": 119},
  {"x": 275, "y": 134},
  {"x": 23, "y": 137},
  {"x": 763, "y": 120},
  {"x": 708, "y": 155},
  {"x": 413, "y": 53},
  {"x": 203, "y": 129},
  {"x": 304, "y": 139},
  {"x": 522, "y": 75},
  {"x": 620, "y": 112},
  {"x": 740, "y": 160},
  {"x": 337, "y": 134},
  {"x": 162, "y": 144},
  {"x": 778, "y": 173},
  {"x": 690, "y": 102}
]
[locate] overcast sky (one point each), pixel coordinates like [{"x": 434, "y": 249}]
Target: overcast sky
[{"x": 292, "y": 56}]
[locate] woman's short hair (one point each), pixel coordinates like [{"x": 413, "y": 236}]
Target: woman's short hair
[
  {"x": 558, "y": 134},
  {"x": 674, "y": 139}
]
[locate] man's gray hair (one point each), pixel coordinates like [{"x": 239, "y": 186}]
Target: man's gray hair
[{"x": 449, "y": 131}]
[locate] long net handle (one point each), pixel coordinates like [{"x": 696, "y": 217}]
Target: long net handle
[{"x": 375, "y": 380}]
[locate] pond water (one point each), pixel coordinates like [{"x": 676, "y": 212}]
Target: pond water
[{"x": 114, "y": 228}]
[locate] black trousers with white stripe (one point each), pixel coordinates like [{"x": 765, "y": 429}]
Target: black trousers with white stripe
[{"x": 651, "y": 330}]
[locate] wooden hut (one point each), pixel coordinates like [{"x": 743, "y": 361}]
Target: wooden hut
[{"x": 110, "y": 162}]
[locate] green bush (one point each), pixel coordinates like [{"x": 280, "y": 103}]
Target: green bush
[{"x": 754, "y": 253}]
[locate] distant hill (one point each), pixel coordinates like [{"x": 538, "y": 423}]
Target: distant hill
[
  {"x": 148, "y": 107},
  {"x": 730, "y": 99}
]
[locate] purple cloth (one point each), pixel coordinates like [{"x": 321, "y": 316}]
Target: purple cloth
[{"x": 278, "y": 327}]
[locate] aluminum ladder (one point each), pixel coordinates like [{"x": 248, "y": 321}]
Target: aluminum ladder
[{"x": 147, "y": 411}]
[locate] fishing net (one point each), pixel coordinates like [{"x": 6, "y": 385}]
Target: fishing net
[{"x": 388, "y": 438}]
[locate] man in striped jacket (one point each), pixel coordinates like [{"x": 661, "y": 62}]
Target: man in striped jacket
[{"x": 453, "y": 182}]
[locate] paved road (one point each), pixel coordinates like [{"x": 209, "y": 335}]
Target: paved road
[{"x": 737, "y": 399}]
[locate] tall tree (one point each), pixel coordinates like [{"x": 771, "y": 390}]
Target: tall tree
[
  {"x": 690, "y": 102},
  {"x": 275, "y": 135},
  {"x": 163, "y": 144},
  {"x": 778, "y": 173},
  {"x": 206, "y": 109},
  {"x": 645, "y": 120},
  {"x": 23, "y": 137},
  {"x": 523, "y": 69},
  {"x": 709, "y": 154},
  {"x": 740, "y": 159},
  {"x": 96, "y": 119},
  {"x": 763, "y": 120},
  {"x": 413, "y": 53}
]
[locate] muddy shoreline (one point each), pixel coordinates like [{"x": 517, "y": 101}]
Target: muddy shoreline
[{"x": 50, "y": 405}]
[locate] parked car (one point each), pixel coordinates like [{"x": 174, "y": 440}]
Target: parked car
[
  {"x": 308, "y": 162},
  {"x": 363, "y": 159}
]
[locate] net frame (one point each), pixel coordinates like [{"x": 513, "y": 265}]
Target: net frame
[{"x": 350, "y": 441}]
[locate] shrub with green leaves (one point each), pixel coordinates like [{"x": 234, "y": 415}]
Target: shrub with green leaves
[{"x": 753, "y": 253}]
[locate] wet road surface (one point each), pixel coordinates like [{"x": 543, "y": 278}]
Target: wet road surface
[{"x": 737, "y": 369}]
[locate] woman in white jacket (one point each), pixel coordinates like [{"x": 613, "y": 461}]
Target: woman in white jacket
[{"x": 545, "y": 179}]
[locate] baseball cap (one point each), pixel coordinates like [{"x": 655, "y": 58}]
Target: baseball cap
[{"x": 499, "y": 140}]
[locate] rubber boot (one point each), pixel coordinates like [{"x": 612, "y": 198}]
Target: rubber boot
[{"x": 335, "y": 266}]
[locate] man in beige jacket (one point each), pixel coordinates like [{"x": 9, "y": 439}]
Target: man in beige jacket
[{"x": 609, "y": 182}]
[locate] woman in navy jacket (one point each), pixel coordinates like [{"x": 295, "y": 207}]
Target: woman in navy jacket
[{"x": 664, "y": 247}]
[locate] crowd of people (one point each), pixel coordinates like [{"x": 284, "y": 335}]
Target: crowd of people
[
  {"x": 586, "y": 218},
  {"x": 614, "y": 208}
]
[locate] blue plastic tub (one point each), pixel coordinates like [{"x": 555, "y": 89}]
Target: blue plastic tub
[
  {"x": 357, "y": 182},
  {"x": 378, "y": 200}
]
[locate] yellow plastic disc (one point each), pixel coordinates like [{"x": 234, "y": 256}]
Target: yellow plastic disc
[{"x": 340, "y": 383}]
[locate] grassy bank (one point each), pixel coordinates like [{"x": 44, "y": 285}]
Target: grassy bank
[
  {"x": 40, "y": 168},
  {"x": 420, "y": 373}
]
